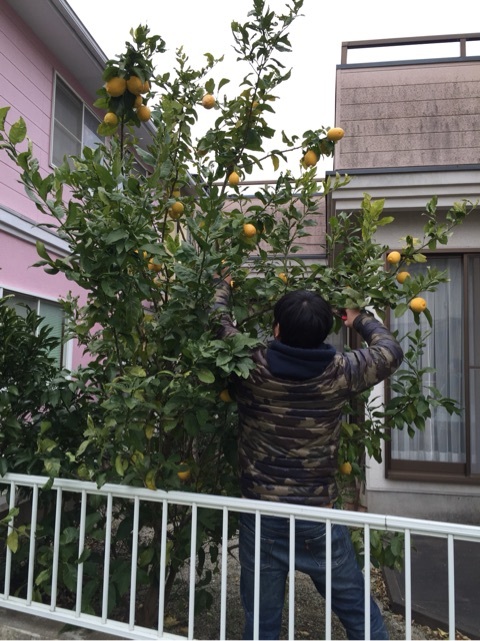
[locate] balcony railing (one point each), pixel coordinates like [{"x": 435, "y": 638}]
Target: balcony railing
[{"x": 62, "y": 491}]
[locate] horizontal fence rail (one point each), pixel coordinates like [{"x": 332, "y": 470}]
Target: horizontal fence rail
[{"x": 25, "y": 492}]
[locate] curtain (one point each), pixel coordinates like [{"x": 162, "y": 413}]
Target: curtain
[
  {"x": 473, "y": 289},
  {"x": 443, "y": 439}
]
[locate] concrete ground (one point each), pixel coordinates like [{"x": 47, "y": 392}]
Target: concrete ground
[
  {"x": 16, "y": 625},
  {"x": 430, "y": 585}
]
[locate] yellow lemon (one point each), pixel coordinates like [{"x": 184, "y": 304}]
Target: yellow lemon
[
  {"x": 135, "y": 85},
  {"x": 153, "y": 266},
  {"x": 150, "y": 480},
  {"x": 402, "y": 276},
  {"x": 116, "y": 86},
  {"x": 233, "y": 179},
  {"x": 138, "y": 102},
  {"x": 110, "y": 118},
  {"x": 184, "y": 474},
  {"x": 249, "y": 230},
  {"x": 418, "y": 304},
  {"x": 394, "y": 257},
  {"x": 144, "y": 113},
  {"x": 178, "y": 208},
  {"x": 225, "y": 396},
  {"x": 336, "y": 133},
  {"x": 346, "y": 468},
  {"x": 283, "y": 277},
  {"x": 310, "y": 159},
  {"x": 145, "y": 87},
  {"x": 208, "y": 101}
]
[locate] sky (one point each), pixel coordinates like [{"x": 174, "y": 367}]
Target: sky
[{"x": 307, "y": 100}]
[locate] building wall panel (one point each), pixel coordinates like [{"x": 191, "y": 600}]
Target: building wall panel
[{"x": 408, "y": 115}]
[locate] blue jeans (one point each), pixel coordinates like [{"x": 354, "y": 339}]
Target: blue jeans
[{"x": 347, "y": 578}]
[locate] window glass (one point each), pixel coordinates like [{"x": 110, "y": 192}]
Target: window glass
[
  {"x": 21, "y": 302},
  {"x": 74, "y": 126},
  {"x": 444, "y": 437},
  {"x": 51, "y": 313},
  {"x": 90, "y": 136},
  {"x": 53, "y": 316},
  {"x": 64, "y": 144},
  {"x": 68, "y": 110}
]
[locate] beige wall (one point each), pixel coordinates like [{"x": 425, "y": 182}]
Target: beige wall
[{"x": 408, "y": 115}]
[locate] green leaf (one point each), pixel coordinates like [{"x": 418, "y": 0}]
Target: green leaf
[
  {"x": 43, "y": 577},
  {"x": 12, "y": 541},
  {"x": 52, "y": 466},
  {"x": 206, "y": 376},
  {"x": 83, "y": 447},
  {"x": 385, "y": 221},
  {"x": 145, "y": 557},
  {"x": 3, "y": 466},
  {"x": 400, "y": 309},
  {"x": 17, "y": 132},
  {"x": 419, "y": 258},
  {"x": 42, "y": 252},
  {"x": 69, "y": 575},
  {"x": 116, "y": 235},
  {"x": 210, "y": 85},
  {"x": 137, "y": 371},
  {"x": 106, "y": 130},
  {"x": 119, "y": 465},
  {"x": 3, "y": 114}
]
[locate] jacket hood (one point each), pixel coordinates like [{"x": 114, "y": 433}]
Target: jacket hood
[{"x": 298, "y": 363}]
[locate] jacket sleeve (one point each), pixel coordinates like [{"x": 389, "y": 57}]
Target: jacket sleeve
[
  {"x": 221, "y": 311},
  {"x": 368, "y": 366}
]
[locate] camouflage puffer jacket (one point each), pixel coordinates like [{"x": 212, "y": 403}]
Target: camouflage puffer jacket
[{"x": 289, "y": 427}]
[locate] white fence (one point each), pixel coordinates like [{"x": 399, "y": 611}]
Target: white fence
[{"x": 13, "y": 485}]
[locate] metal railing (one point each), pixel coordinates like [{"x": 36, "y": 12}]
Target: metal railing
[
  {"x": 13, "y": 485},
  {"x": 460, "y": 39}
]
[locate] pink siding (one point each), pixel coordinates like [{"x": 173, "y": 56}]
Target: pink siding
[
  {"x": 20, "y": 275},
  {"x": 27, "y": 71},
  {"x": 26, "y": 77}
]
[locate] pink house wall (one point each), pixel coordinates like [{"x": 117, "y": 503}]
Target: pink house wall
[
  {"x": 27, "y": 71},
  {"x": 20, "y": 275}
]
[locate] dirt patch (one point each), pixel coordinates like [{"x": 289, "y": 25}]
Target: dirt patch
[{"x": 309, "y": 610}]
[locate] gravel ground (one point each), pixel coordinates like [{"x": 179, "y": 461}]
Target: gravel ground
[{"x": 309, "y": 611}]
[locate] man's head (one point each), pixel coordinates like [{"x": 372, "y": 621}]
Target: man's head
[{"x": 302, "y": 319}]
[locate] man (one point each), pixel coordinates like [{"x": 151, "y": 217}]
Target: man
[{"x": 290, "y": 412}]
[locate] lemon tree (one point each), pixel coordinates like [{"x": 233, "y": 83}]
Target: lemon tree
[{"x": 153, "y": 407}]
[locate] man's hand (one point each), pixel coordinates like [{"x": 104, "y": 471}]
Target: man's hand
[{"x": 350, "y": 316}]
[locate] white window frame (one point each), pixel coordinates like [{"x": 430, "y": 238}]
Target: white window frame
[{"x": 58, "y": 77}]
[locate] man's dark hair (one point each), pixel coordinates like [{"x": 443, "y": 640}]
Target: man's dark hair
[{"x": 305, "y": 319}]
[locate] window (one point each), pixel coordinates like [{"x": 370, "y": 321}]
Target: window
[
  {"x": 450, "y": 445},
  {"x": 52, "y": 315},
  {"x": 74, "y": 126}
]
